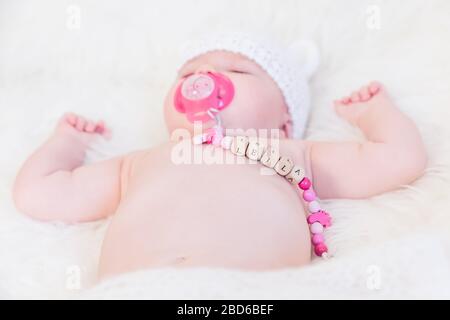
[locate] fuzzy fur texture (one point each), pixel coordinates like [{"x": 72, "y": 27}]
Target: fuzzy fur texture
[{"x": 118, "y": 65}]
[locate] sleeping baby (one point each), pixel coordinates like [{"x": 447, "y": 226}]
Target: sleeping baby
[{"x": 244, "y": 104}]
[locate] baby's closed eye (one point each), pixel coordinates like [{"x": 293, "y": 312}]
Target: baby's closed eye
[
  {"x": 238, "y": 71},
  {"x": 240, "y": 68}
]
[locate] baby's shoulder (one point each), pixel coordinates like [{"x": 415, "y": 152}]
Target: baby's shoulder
[
  {"x": 299, "y": 151},
  {"x": 154, "y": 152}
]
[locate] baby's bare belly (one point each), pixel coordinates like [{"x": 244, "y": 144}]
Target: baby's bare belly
[{"x": 226, "y": 216}]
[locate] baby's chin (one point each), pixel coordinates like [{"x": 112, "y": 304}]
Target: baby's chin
[
  {"x": 253, "y": 129},
  {"x": 232, "y": 127}
]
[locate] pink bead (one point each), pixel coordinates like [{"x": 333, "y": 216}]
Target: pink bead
[
  {"x": 317, "y": 239},
  {"x": 305, "y": 184},
  {"x": 321, "y": 217},
  {"x": 320, "y": 249},
  {"x": 212, "y": 135},
  {"x": 314, "y": 207},
  {"x": 217, "y": 139},
  {"x": 309, "y": 195}
]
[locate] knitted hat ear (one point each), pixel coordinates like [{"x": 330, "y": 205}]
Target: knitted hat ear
[{"x": 306, "y": 54}]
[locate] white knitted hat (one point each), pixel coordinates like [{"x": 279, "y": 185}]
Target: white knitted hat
[{"x": 290, "y": 67}]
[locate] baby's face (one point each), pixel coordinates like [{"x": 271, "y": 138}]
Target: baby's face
[{"x": 258, "y": 102}]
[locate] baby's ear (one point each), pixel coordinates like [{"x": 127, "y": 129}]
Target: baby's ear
[
  {"x": 306, "y": 54},
  {"x": 287, "y": 128}
]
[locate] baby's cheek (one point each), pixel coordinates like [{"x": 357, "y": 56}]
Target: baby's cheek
[
  {"x": 259, "y": 111},
  {"x": 244, "y": 114},
  {"x": 174, "y": 119},
  {"x": 244, "y": 108}
]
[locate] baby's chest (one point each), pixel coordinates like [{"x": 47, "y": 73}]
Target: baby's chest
[
  {"x": 225, "y": 188},
  {"x": 202, "y": 177}
]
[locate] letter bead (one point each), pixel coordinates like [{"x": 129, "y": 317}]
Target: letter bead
[
  {"x": 296, "y": 175},
  {"x": 239, "y": 145},
  {"x": 255, "y": 151},
  {"x": 284, "y": 166},
  {"x": 270, "y": 157}
]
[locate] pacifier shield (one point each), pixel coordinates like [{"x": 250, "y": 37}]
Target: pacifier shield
[{"x": 202, "y": 96}]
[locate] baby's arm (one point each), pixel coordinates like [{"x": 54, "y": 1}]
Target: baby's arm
[
  {"x": 54, "y": 185},
  {"x": 393, "y": 154}
]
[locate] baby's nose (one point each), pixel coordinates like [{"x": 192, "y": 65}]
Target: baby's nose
[{"x": 205, "y": 68}]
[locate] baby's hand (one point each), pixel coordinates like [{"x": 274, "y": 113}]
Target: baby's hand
[
  {"x": 352, "y": 107},
  {"x": 72, "y": 123}
]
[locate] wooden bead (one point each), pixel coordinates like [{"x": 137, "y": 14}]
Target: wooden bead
[
  {"x": 255, "y": 151},
  {"x": 239, "y": 145},
  {"x": 296, "y": 175},
  {"x": 284, "y": 166},
  {"x": 270, "y": 157}
]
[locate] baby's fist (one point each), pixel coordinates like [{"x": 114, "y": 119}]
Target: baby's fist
[
  {"x": 352, "y": 107},
  {"x": 73, "y": 123}
]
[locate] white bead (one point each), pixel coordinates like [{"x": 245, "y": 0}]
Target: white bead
[
  {"x": 270, "y": 157},
  {"x": 314, "y": 207},
  {"x": 284, "y": 166},
  {"x": 316, "y": 228},
  {"x": 200, "y": 139},
  {"x": 239, "y": 145},
  {"x": 296, "y": 175},
  {"x": 255, "y": 151},
  {"x": 226, "y": 142}
]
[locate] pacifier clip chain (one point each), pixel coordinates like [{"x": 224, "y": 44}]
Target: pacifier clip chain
[
  {"x": 201, "y": 97},
  {"x": 318, "y": 219}
]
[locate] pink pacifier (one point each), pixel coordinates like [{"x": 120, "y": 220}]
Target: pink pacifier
[{"x": 202, "y": 96}]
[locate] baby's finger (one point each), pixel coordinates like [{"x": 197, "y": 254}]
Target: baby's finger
[
  {"x": 100, "y": 127},
  {"x": 81, "y": 124},
  {"x": 103, "y": 130},
  {"x": 71, "y": 118},
  {"x": 374, "y": 87},
  {"x": 355, "y": 97},
  {"x": 365, "y": 94},
  {"x": 346, "y": 100},
  {"x": 90, "y": 127}
]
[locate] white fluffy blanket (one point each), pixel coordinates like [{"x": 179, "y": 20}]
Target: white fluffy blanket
[{"x": 116, "y": 59}]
